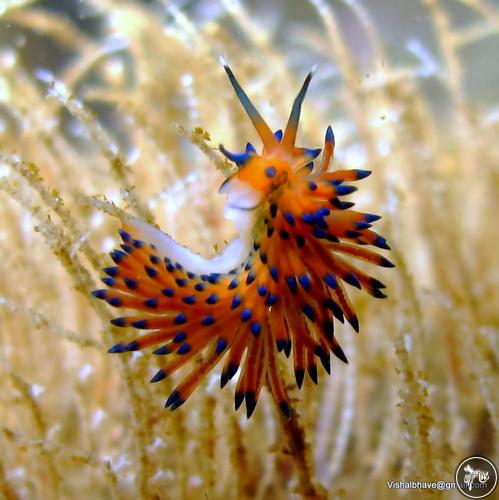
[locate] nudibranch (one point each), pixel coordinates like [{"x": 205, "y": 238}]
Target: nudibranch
[{"x": 275, "y": 289}]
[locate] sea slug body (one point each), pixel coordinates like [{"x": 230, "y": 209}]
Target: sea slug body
[{"x": 277, "y": 288}]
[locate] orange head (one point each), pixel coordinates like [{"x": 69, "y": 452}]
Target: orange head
[{"x": 280, "y": 162}]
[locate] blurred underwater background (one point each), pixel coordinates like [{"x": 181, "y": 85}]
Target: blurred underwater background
[{"x": 121, "y": 105}]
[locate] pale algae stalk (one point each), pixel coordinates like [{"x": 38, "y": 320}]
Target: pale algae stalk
[{"x": 110, "y": 107}]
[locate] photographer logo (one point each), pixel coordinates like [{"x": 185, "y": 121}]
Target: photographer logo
[{"x": 476, "y": 477}]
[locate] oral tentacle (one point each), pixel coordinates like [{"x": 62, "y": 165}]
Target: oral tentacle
[
  {"x": 288, "y": 141},
  {"x": 268, "y": 139}
]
